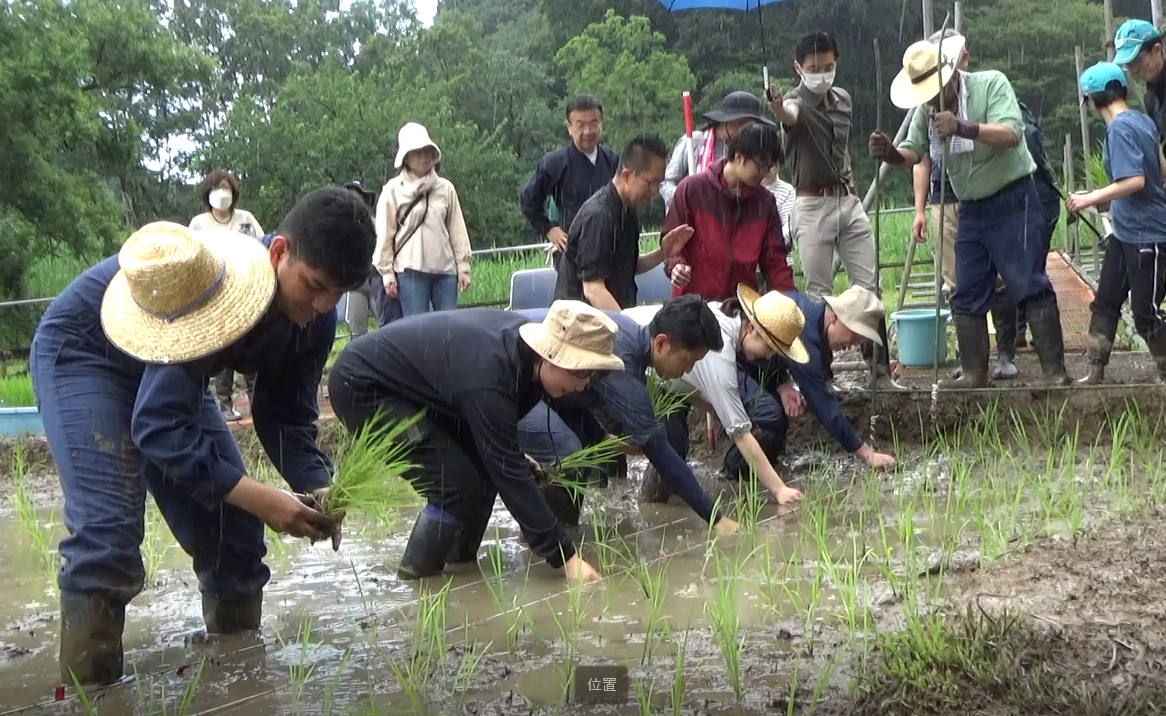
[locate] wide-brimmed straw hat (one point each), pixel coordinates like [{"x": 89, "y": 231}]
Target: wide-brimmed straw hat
[
  {"x": 412, "y": 137},
  {"x": 182, "y": 295},
  {"x": 921, "y": 78},
  {"x": 574, "y": 336},
  {"x": 777, "y": 319},
  {"x": 860, "y": 310}
]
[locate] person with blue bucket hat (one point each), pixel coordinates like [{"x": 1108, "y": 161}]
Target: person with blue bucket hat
[
  {"x": 1135, "y": 257},
  {"x": 1138, "y": 48}
]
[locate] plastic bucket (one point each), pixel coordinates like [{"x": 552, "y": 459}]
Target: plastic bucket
[{"x": 915, "y": 329}]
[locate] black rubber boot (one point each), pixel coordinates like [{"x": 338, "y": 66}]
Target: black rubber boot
[
  {"x": 1004, "y": 317},
  {"x": 1098, "y": 347},
  {"x": 566, "y": 504},
  {"x": 469, "y": 537},
  {"x": 972, "y": 338},
  {"x": 429, "y": 543},
  {"x": 1045, "y": 321},
  {"x": 878, "y": 358},
  {"x": 233, "y": 616},
  {"x": 91, "y": 646},
  {"x": 653, "y": 489},
  {"x": 1157, "y": 345},
  {"x": 1021, "y": 328}
]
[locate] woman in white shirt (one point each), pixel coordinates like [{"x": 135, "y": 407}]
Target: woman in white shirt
[
  {"x": 756, "y": 327},
  {"x": 423, "y": 249},
  {"x": 220, "y": 199}
]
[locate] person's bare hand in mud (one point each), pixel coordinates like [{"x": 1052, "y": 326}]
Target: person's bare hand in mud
[
  {"x": 877, "y": 460},
  {"x": 577, "y": 569},
  {"x": 681, "y": 275},
  {"x": 726, "y": 527},
  {"x": 786, "y": 494},
  {"x": 318, "y": 500},
  {"x": 791, "y": 400},
  {"x": 672, "y": 242}
]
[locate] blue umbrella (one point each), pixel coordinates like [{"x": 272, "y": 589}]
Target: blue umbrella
[{"x": 739, "y": 5}]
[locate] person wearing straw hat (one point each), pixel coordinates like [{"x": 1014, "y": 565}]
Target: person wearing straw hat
[
  {"x": 753, "y": 328},
  {"x": 738, "y": 110},
  {"x": 120, "y": 365},
  {"x": 423, "y": 248},
  {"x": 475, "y": 372},
  {"x": 836, "y": 324},
  {"x": 991, "y": 171},
  {"x": 681, "y": 333},
  {"x": 1134, "y": 266}
]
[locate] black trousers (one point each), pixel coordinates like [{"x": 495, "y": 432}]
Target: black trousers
[
  {"x": 1137, "y": 271},
  {"x": 225, "y": 385}
]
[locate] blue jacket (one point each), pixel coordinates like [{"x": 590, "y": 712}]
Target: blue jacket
[
  {"x": 811, "y": 377},
  {"x": 288, "y": 360}
]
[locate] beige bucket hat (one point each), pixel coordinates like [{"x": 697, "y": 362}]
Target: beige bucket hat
[
  {"x": 860, "y": 310},
  {"x": 412, "y": 137},
  {"x": 921, "y": 78},
  {"x": 778, "y": 321},
  {"x": 182, "y": 295},
  {"x": 574, "y": 336}
]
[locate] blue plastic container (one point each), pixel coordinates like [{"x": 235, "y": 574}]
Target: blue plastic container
[
  {"x": 15, "y": 422},
  {"x": 915, "y": 329}
]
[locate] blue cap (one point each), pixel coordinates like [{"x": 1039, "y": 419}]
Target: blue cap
[
  {"x": 1095, "y": 79},
  {"x": 1130, "y": 37}
]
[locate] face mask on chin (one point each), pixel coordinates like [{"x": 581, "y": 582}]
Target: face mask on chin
[
  {"x": 220, "y": 199},
  {"x": 818, "y": 82}
]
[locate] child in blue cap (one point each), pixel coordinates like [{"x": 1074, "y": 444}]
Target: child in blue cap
[
  {"x": 1135, "y": 256},
  {"x": 1138, "y": 47}
]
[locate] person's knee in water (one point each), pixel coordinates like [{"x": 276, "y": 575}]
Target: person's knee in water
[{"x": 176, "y": 307}]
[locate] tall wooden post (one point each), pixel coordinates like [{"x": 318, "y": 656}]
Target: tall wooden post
[
  {"x": 1109, "y": 50},
  {"x": 958, "y": 17}
]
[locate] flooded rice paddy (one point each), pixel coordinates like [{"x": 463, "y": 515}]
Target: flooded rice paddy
[{"x": 871, "y": 596}]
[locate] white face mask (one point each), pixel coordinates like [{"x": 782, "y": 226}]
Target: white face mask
[
  {"x": 220, "y": 199},
  {"x": 818, "y": 83}
]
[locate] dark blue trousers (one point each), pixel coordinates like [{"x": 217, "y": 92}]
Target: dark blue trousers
[
  {"x": 1005, "y": 235},
  {"x": 87, "y": 402}
]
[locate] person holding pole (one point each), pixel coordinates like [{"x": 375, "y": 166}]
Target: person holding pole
[
  {"x": 829, "y": 216},
  {"x": 1135, "y": 258},
  {"x": 991, "y": 171}
]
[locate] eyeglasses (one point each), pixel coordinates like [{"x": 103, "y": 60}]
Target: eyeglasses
[
  {"x": 582, "y": 374},
  {"x": 653, "y": 185}
]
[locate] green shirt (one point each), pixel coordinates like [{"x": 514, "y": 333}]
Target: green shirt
[{"x": 985, "y": 170}]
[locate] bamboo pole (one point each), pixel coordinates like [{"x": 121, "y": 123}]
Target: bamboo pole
[{"x": 1108, "y": 42}]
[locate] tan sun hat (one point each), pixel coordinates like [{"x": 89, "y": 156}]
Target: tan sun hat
[
  {"x": 778, "y": 321},
  {"x": 921, "y": 77},
  {"x": 574, "y": 336},
  {"x": 182, "y": 295},
  {"x": 860, "y": 310}
]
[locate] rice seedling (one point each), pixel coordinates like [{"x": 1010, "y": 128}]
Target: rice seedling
[
  {"x": 155, "y": 544},
  {"x": 568, "y": 624},
  {"x": 665, "y": 400},
  {"x": 516, "y": 617},
  {"x": 427, "y": 649},
  {"x": 300, "y": 670},
  {"x": 375, "y": 457},
  {"x": 472, "y": 655},
  {"x": 679, "y": 684},
  {"x": 16, "y": 391},
  {"x": 651, "y": 576},
  {"x": 25, "y": 509},
  {"x": 725, "y": 620},
  {"x": 153, "y": 704},
  {"x": 590, "y": 457},
  {"x": 644, "y": 696}
]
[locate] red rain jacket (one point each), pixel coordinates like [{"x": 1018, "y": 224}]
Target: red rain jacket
[{"x": 732, "y": 235}]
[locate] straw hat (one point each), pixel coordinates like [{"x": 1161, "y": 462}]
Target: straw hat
[
  {"x": 574, "y": 336},
  {"x": 182, "y": 295},
  {"x": 412, "y": 137},
  {"x": 860, "y": 310},
  {"x": 778, "y": 321},
  {"x": 921, "y": 77}
]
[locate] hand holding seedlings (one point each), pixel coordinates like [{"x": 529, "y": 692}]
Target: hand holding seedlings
[
  {"x": 286, "y": 513},
  {"x": 318, "y": 500},
  {"x": 536, "y": 470}
]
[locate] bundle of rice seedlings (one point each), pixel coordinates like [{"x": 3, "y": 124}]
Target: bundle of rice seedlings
[
  {"x": 591, "y": 457},
  {"x": 665, "y": 402},
  {"x": 371, "y": 462}
]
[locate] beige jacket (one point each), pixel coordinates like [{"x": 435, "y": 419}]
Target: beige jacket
[{"x": 440, "y": 243}]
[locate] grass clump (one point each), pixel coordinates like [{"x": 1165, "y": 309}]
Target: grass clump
[{"x": 371, "y": 462}]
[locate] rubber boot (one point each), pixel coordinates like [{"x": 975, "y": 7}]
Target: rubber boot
[
  {"x": 1045, "y": 321},
  {"x": 1021, "y": 328},
  {"x": 1157, "y": 346},
  {"x": 972, "y": 338},
  {"x": 233, "y": 616},
  {"x": 652, "y": 489},
  {"x": 469, "y": 537},
  {"x": 1098, "y": 347},
  {"x": 566, "y": 504},
  {"x": 429, "y": 543},
  {"x": 1004, "y": 317},
  {"x": 227, "y": 408},
  {"x": 91, "y": 646},
  {"x": 879, "y": 360}
]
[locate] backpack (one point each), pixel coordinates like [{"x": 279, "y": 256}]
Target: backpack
[{"x": 1032, "y": 137}]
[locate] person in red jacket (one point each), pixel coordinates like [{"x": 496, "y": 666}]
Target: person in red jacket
[{"x": 735, "y": 222}]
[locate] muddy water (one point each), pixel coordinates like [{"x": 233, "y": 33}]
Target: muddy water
[{"x": 339, "y": 628}]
